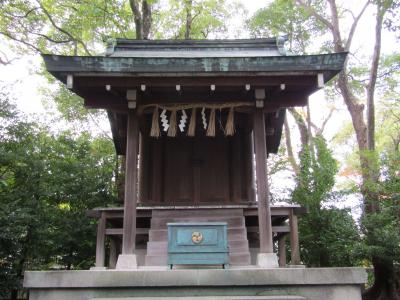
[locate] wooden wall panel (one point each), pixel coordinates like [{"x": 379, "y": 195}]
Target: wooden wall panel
[
  {"x": 178, "y": 171},
  {"x": 194, "y": 171},
  {"x": 214, "y": 169}
]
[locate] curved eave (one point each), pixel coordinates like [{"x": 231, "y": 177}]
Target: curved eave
[{"x": 59, "y": 66}]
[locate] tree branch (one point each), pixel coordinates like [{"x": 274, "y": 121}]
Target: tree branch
[
  {"x": 63, "y": 30},
  {"x": 316, "y": 15},
  {"x": 301, "y": 124},
  {"x": 4, "y": 60},
  {"x": 320, "y": 130},
  {"x": 20, "y": 41},
  {"x": 337, "y": 39},
  {"x": 51, "y": 39},
  {"x": 354, "y": 26}
]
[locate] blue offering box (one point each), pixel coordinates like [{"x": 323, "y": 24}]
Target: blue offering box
[{"x": 204, "y": 243}]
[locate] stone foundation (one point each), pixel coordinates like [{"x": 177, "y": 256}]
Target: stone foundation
[{"x": 283, "y": 283}]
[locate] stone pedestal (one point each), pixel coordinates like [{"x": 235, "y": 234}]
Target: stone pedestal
[
  {"x": 267, "y": 260},
  {"x": 98, "y": 268},
  {"x": 272, "y": 284},
  {"x": 127, "y": 262}
]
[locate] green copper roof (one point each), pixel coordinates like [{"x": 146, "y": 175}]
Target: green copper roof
[{"x": 196, "y": 48}]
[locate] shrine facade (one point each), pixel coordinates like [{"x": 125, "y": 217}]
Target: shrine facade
[{"x": 196, "y": 121}]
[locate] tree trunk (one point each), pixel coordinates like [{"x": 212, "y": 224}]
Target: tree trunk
[
  {"x": 146, "y": 19},
  {"x": 289, "y": 148},
  {"x": 137, "y": 17},
  {"x": 301, "y": 124},
  {"x": 142, "y": 18},
  {"x": 386, "y": 285},
  {"x": 189, "y": 18}
]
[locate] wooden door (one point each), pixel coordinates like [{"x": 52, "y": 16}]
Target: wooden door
[
  {"x": 178, "y": 171},
  {"x": 212, "y": 179}
]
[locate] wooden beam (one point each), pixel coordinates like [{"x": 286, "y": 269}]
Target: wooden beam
[
  {"x": 223, "y": 81},
  {"x": 100, "y": 242},
  {"x": 275, "y": 229},
  {"x": 119, "y": 231},
  {"x": 112, "y": 260},
  {"x": 294, "y": 239},
  {"x": 264, "y": 212},
  {"x": 282, "y": 251},
  {"x": 131, "y": 172}
]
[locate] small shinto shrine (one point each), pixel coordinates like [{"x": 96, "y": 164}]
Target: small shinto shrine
[{"x": 196, "y": 121}]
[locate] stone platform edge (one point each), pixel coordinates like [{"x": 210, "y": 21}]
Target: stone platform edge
[{"x": 194, "y": 277}]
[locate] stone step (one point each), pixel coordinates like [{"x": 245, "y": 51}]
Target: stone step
[
  {"x": 160, "y": 248},
  {"x": 280, "y": 297},
  {"x": 155, "y": 260},
  {"x": 240, "y": 259},
  {"x": 236, "y": 259},
  {"x": 161, "y": 223},
  {"x": 237, "y": 234}
]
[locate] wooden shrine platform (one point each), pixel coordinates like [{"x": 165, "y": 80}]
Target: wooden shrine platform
[{"x": 151, "y": 232}]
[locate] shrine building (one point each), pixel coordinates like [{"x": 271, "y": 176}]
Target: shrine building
[{"x": 196, "y": 121}]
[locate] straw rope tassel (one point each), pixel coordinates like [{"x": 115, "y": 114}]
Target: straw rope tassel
[
  {"x": 155, "y": 127},
  {"x": 211, "y": 124},
  {"x": 172, "y": 124},
  {"x": 192, "y": 125},
  {"x": 230, "y": 123}
]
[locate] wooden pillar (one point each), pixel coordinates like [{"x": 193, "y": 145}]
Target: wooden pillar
[
  {"x": 112, "y": 261},
  {"x": 264, "y": 211},
  {"x": 249, "y": 169},
  {"x": 236, "y": 168},
  {"x": 294, "y": 239},
  {"x": 100, "y": 242},
  {"x": 282, "y": 251},
  {"x": 157, "y": 172},
  {"x": 131, "y": 172}
]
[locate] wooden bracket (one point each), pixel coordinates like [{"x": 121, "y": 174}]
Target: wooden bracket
[
  {"x": 320, "y": 78},
  {"x": 70, "y": 81},
  {"x": 260, "y": 94},
  {"x": 131, "y": 96},
  {"x": 260, "y": 97}
]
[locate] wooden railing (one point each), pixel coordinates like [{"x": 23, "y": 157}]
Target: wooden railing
[{"x": 284, "y": 223}]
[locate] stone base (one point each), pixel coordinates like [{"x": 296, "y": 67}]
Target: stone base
[
  {"x": 216, "y": 284},
  {"x": 98, "y": 268},
  {"x": 296, "y": 266},
  {"x": 267, "y": 260},
  {"x": 126, "y": 262}
]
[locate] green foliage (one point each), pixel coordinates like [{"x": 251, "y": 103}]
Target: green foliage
[
  {"x": 207, "y": 18},
  {"x": 328, "y": 235},
  {"x": 47, "y": 182},
  {"x": 382, "y": 235},
  {"x": 317, "y": 175},
  {"x": 329, "y": 238},
  {"x": 65, "y": 27},
  {"x": 282, "y": 17}
]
